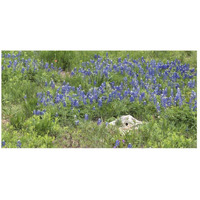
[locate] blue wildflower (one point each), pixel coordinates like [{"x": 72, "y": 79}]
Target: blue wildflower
[
  {"x": 86, "y": 116},
  {"x": 77, "y": 122},
  {"x": 117, "y": 143},
  {"x": 99, "y": 121},
  {"x": 100, "y": 103},
  {"x": 129, "y": 145},
  {"x": 131, "y": 99},
  {"x": 3, "y": 143},
  {"x": 64, "y": 104},
  {"x": 195, "y": 106},
  {"x": 38, "y": 112},
  {"x": 19, "y": 144}
]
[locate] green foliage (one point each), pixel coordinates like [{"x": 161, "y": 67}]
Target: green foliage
[
  {"x": 70, "y": 59},
  {"x": 28, "y": 139},
  {"x": 42, "y": 125}
]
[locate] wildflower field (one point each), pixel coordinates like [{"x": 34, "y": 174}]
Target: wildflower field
[{"x": 66, "y": 99}]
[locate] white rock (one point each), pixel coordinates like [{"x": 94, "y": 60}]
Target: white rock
[{"x": 127, "y": 123}]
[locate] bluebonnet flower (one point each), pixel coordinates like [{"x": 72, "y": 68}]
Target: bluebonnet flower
[
  {"x": 191, "y": 83},
  {"x": 178, "y": 97},
  {"x": 129, "y": 145},
  {"x": 177, "y": 86},
  {"x": 3, "y": 143},
  {"x": 169, "y": 101},
  {"x": 144, "y": 103},
  {"x": 125, "y": 93},
  {"x": 19, "y": 144},
  {"x": 131, "y": 99},
  {"x": 46, "y": 84},
  {"x": 76, "y": 103},
  {"x": 193, "y": 96},
  {"x": 106, "y": 123},
  {"x": 94, "y": 108},
  {"x": 120, "y": 97},
  {"x": 141, "y": 97},
  {"x": 25, "y": 97},
  {"x": 48, "y": 93},
  {"x": 165, "y": 92},
  {"x": 100, "y": 103},
  {"x": 64, "y": 104},
  {"x": 22, "y": 71},
  {"x": 195, "y": 106},
  {"x": 123, "y": 141},
  {"x": 91, "y": 99},
  {"x": 163, "y": 101},
  {"x": 52, "y": 84},
  {"x": 86, "y": 116},
  {"x": 38, "y": 112},
  {"x": 56, "y": 115},
  {"x": 117, "y": 143},
  {"x": 46, "y": 65},
  {"x": 77, "y": 122},
  {"x": 125, "y": 79},
  {"x": 192, "y": 70},
  {"x": 99, "y": 121},
  {"x": 95, "y": 82}
]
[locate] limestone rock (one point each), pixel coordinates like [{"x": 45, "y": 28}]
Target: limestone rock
[{"x": 126, "y": 122}]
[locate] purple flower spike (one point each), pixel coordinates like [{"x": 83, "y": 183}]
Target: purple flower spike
[
  {"x": 99, "y": 121},
  {"x": 129, "y": 145},
  {"x": 86, "y": 116}
]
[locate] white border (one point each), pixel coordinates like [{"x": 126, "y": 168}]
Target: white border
[{"x": 99, "y": 173}]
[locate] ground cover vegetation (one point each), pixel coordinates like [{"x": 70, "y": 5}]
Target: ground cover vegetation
[{"x": 67, "y": 99}]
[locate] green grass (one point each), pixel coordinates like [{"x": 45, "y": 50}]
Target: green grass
[{"x": 70, "y": 59}]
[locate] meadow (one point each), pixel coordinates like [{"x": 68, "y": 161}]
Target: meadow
[{"x": 66, "y": 99}]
